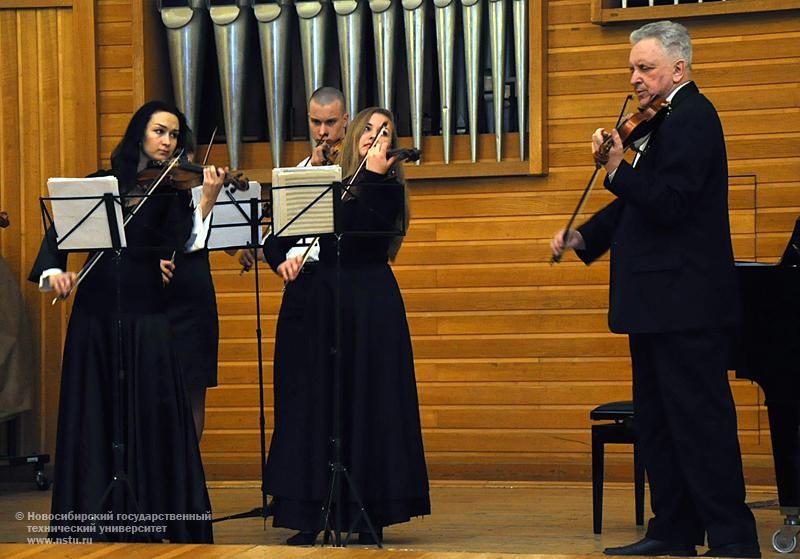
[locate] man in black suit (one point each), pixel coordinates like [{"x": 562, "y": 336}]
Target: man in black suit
[{"x": 673, "y": 291}]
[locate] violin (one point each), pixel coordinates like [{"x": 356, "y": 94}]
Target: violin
[
  {"x": 634, "y": 127},
  {"x": 184, "y": 176},
  {"x": 331, "y": 151},
  {"x": 4, "y": 222},
  {"x": 404, "y": 154},
  {"x": 631, "y": 127}
]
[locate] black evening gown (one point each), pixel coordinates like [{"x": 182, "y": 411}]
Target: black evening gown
[
  {"x": 192, "y": 311},
  {"x": 161, "y": 453},
  {"x": 381, "y": 434}
]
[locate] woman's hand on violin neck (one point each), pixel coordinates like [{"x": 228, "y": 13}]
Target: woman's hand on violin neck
[
  {"x": 377, "y": 161},
  {"x": 607, "y": 149},
  {"x": 213, "y": 180},
  {"x": 63, "y": 283}
]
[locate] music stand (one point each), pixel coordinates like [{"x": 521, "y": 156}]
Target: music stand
[
  {"x": 333, "y": 196},
  {"x": 88, "y": 228},
  {"x": 235, "y": 211},
  {"x": 240, "y": 217}
]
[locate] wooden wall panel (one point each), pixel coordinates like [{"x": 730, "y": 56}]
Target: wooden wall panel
[
  {"x": 46, "y": 115},
  {"x": 116, "y": 64}
]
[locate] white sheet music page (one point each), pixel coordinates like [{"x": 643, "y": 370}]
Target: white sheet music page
[
  {"x": 94, "y": 232},
  {"x": 230, "y": 227},
  {"x": 294, "y": 191}
]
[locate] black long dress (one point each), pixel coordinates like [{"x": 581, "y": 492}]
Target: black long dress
[
  {"x": 192, "y": 311},
  {"x": 381, "y": 435},
  {"x": 161, "y": 454}
]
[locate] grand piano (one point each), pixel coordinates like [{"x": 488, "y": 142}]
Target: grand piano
[{"x": 769, "y": 354}]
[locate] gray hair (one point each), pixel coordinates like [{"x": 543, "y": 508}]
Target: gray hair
[
  {"x": 674, "y": 38},
  {"x": 326, "y": 95}
]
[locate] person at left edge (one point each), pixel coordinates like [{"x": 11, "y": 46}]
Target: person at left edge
[{"x": 161, "y": 453}]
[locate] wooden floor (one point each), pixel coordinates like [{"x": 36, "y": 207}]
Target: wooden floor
[{"x": 469, "y": 520}]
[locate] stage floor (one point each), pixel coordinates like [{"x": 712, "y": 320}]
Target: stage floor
[{"x": 487, "y": 519}]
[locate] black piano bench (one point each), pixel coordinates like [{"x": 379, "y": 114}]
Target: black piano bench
[{"x": 621, "y": 430}]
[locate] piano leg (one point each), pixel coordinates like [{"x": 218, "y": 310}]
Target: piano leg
[{"x": 784, "y": 424}]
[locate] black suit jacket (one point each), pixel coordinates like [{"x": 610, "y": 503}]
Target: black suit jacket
[{"x": 668, "y": 230}]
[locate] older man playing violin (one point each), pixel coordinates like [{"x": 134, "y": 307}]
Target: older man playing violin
[{"x": 673, "y": 291}]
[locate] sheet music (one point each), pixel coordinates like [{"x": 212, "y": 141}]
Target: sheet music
[
  {"x": 230, "y": 226},
  {"x": 68, "y": 211},
  {"x": 294, "y": 191}
]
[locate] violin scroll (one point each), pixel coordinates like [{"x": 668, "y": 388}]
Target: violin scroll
[
  {"x": 235, "y": 181},
  {"x": 4, "y": 221},
  {"x": 404, "y": 154}
]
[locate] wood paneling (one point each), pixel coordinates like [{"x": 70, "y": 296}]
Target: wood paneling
[
  {"x": 47, "y": 128},
  {"x": 116, "y": 70},
  {"x": 605, "y": 12}
]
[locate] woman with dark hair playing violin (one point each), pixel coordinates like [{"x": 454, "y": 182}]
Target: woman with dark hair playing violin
[
  {"x": 380, "y": 430},
  {"x": 118, "y": 328}
]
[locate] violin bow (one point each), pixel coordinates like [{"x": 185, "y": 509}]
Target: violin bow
[
  {"x": 210, "y": 143},
  {"x": 556, "y": 258},
  {"x": 87, "y": 267}
]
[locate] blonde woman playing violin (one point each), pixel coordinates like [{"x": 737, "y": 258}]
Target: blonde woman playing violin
[{"x": 381, "y": 436}]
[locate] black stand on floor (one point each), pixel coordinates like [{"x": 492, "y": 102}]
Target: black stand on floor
[
  {"x": 339, "y": 472},
  {"x": 332, "y": 194},
  {"x": 119, "y": 488},
  {"x": 263, "y": 511}
]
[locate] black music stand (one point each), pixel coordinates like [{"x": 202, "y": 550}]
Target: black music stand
[
  {"x": 338, "y": 470},
  {"x": 252, "y": 217},
  {"x": 119, "y": 487}
]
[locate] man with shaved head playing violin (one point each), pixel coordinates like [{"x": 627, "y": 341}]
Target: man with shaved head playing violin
[
  {"x": 674, "y": 292},
  {"x": 327, "y": 123}
]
